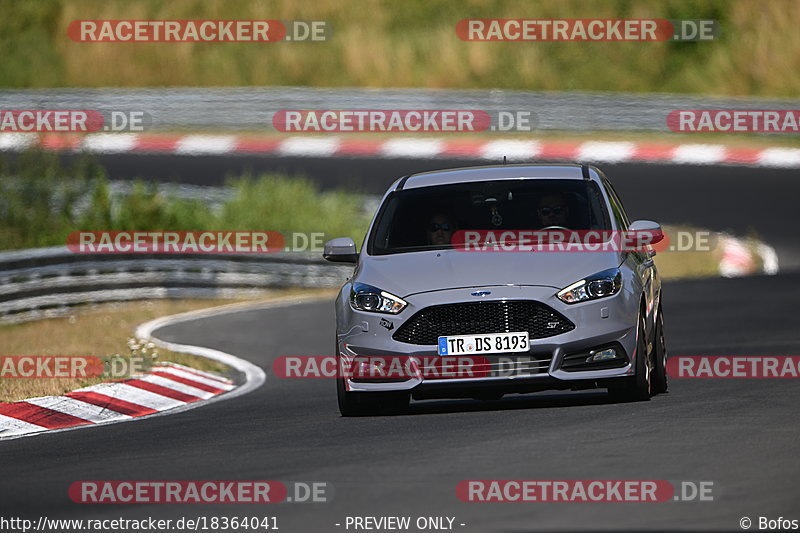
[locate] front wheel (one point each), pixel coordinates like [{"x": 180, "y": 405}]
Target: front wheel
[
  {"x": 660, "y": 384},
  {"x": 369, "y": 403},
  {"x": 640, "y": 386}
]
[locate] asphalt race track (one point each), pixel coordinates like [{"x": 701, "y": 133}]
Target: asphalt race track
[{"x": 740, "y": 434}]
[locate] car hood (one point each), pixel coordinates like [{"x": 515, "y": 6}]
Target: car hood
[{"x": 411, "y": 273}]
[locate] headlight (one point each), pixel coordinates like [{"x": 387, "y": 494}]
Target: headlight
[
  {"x": 600, "y": 285},
  {"x": 368, "y": 298}
]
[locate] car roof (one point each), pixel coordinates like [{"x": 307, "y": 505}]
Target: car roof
[{"x": 497, "y": 172}]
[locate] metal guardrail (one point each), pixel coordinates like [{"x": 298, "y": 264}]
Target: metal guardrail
[
  {"x": 44, "y": 282},
  {"x": 243, "y": 108}
]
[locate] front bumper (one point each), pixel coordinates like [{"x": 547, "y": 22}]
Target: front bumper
[{"x": 599, "y": 323}]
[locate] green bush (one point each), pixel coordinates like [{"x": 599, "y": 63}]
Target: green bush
[
  {"x": 40, "y": 198},
  {"x": 280, "y": 204},
  {"x": 42, "y": 201}
]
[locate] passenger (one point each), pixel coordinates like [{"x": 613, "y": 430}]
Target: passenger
[{"x": 553, "y": 210}]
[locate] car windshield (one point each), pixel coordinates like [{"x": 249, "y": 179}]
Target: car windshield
[{"x": 426, "y": 218}]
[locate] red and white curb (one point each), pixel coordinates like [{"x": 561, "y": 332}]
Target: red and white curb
[
  {"x": 738, "y": 260},
  {"x": 481, "y": 149},
  {"x": 152, "y": 394},
  {"x": 83, "y": 404},
  {"x": 165, "y": 386}
]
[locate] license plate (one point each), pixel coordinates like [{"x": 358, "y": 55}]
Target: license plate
[{"x": 484, "y": 344}]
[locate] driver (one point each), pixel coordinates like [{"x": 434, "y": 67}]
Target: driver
[
  {"x": 553, "y": 210},
  {"x": 440, "y": 229}
]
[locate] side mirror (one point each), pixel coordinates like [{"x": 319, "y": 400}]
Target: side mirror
[
  {"x": 651, "y": 233},
  {"x": 341, "y": 250}
]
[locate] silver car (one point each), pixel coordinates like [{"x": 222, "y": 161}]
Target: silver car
[{"x": 425, "y": 316}]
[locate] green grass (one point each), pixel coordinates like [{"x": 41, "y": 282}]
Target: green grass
[{"x": 384, "y": 43}]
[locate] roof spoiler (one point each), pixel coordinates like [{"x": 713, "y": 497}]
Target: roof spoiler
[{"x": 403, "y": 181}]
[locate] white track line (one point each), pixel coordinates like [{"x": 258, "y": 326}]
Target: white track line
[
  {"x": 254, "y": 376},
  {"x": 309, "y": 147},
  {"x": 194, "y": 377},
  {"x": 135, "y": 395},
  {"x": 611, "y": 152},
  {"x": 194, "y": 372},
  {"x": 77, "y": 408},
  {"x": 12, "y": 427},
  {"x": 769, "y": 258},
  {"x": 16, "y": 141},
  {"x": 107, "y": 143},
  {"x": 177, "y": 386},
  {"x": 701, "y": 154},
  {"x": 206, "y": 144},
  {"x": 412, "y": 148},
  {"x": 513, "y": 150},
  {"x": 780, "y": 157}
]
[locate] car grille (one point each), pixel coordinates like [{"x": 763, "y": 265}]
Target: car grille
[
  {"x": 473, "y": 318},
  {"x": 501, "y": 366}
]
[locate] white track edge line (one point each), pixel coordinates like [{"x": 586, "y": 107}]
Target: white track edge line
[
  {"x": 723, "y": 160},
  {"x": 254, "y": 375}
]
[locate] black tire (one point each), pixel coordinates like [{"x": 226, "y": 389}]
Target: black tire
[
  {"x": 349, "y": 402},
  {"x": 660, "y": 382},
  {"x": 639, "y": 387},
  {"x": 369, "y": 403}
]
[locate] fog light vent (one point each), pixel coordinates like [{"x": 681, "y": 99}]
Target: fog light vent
[{"x": 609, "y": 354}]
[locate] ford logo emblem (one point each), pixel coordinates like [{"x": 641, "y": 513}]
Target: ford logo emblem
[{"x": 481, "y": 293}]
